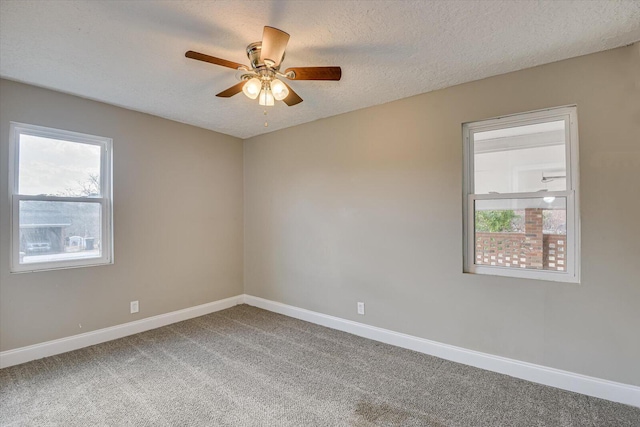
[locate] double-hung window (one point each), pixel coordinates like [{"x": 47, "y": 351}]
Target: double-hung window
[
  {"x": 521, "y": 215},
  {"x": 60, "y": 196}
]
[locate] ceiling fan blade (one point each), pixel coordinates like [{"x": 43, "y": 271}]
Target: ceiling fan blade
[
  {"x": 213, "y": 60},
  {"x": 293, "y": 98},
  {"x": 315, "y": 73},
  {"x": 233, "y": 90},
  {"x": 274, "y": 42}
]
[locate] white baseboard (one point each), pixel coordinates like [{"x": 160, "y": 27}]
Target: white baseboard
[
  {"x": 596, "y": 387},
  {"x": 565, "y": 380},
  {"x": 74, "y": 342}
]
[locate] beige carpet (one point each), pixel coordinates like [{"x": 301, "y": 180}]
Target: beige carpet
[{"x": 249, "y": 367}]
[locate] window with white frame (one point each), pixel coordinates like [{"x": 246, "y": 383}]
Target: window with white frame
[
  {"x": 60, "y": 195},
  {"x": 521, "y": 215}
]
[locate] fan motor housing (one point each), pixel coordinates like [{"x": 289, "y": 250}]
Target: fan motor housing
[{"x": 253, "y": 53}]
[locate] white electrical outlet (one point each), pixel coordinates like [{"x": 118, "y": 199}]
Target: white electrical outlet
[
  {"x": 135, "y": 307},
  {"x": 361, "y": 308}
]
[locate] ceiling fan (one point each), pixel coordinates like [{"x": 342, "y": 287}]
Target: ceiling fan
[{"x": 261, "y": 79}]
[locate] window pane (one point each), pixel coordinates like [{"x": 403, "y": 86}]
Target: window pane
[
  {"x": 57, "y": 231},
  {"x": 58, "y": 168},
  {"x": 521, "y": 233},
  {"x": 520, "y": 159}
]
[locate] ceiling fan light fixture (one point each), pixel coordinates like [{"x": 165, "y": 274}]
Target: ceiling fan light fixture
[
  {"x": 258, "y": 80},
  {"x": 266, "y": 97},
  {"x": 252, "y": 88},
  {"x": 280, "y": 90}
]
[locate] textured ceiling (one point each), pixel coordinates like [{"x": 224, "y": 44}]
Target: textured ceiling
[{"x": 131, "y": 53}]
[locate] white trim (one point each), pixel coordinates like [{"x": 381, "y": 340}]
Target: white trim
[
  {"x": 596, "y": 387},
  {"x": 105, "y": 201},
  {"x": 74, "y": 342},
  {"x": 569, "y": 115},
  {"x": 101, "y": 200},
  {"x": 591, "y": 386}
]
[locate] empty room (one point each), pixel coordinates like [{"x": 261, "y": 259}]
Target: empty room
[{"x": 320, "y": 213}]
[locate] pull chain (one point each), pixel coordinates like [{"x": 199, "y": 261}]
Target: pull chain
[{"x": 265, "y": 119}]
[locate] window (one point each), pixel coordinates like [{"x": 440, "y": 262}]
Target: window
[
  {"x": 60, "y": 189},
  {"x": 521, "y": 216}
]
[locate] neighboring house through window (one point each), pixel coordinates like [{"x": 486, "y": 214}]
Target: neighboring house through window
[
  {"x": 60, "y": 195},
  {"x": 521, "y": 216}
]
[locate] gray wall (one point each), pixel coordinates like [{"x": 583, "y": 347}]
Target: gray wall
[
  {"x": 367, "y": 206},
  {"x": 178, "y": 222}
]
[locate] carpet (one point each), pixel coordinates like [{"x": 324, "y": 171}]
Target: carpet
[{"x": 249, "y": 367}]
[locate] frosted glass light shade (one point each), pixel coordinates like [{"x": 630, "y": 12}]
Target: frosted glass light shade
[
  {"x": 280, "y": 90},
  {"x": 266, "y": 97},
  {"x": 252, "y": 88}
]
